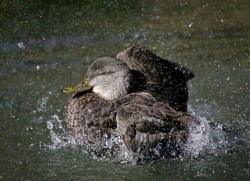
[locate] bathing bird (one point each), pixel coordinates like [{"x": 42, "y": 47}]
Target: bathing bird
[{"x": 135, "y": 102}]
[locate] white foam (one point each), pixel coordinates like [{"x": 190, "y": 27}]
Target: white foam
[
  {"x": 59, "y": 136},
  {"x": 205, "y": 138}
]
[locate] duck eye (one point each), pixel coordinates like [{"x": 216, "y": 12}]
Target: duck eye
[{"x": 105, "y": 73}]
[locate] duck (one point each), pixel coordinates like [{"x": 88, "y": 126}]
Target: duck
[{"x": 135, "y": 102}]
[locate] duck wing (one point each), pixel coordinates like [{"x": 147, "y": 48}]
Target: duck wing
[
  {"x": 143, "y": 123},
  {"x": 156, "y": 69},
  {"x": 166, "y": 80}
]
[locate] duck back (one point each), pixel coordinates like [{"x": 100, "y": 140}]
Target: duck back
[{"x": 166, "y": 80}]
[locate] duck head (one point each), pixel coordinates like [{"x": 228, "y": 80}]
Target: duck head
[{"x": 107, "y": 77}]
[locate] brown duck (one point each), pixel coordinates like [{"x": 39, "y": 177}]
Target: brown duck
[{"x": 136, "y": 102}]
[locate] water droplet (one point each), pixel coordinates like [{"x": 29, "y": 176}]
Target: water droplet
[
  {"x": 49, "y": 125},
  {"x": 190, "y": 25},
  {"x": 21, "y": 45}
]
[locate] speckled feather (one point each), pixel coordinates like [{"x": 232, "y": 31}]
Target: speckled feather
[
  {"x": 166, "y": 80},
  {"x": 138, "y": 118}
]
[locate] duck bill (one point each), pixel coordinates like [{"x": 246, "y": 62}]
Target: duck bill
[{"x": 81, "y": 87}]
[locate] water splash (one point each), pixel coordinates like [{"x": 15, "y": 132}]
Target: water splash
[
  {"x": 205, "y": 137},
  {"x": 104, "y": 150},
  {"x": 59, "y": 136}
]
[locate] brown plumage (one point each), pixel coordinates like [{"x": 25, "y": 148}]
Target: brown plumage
[
  {"x": 144, "y": 124},
  {"x": 166, "y": 80}
]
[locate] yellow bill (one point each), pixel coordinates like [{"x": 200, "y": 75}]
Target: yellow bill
[{"x": 82, "y": 86}]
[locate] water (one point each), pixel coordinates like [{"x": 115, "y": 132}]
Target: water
[{"x": 41, "y": 52}]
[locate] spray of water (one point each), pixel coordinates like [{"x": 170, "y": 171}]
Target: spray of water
[{"x": 204, "y": 138}]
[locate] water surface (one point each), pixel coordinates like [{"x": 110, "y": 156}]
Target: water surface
[{"x": 45, "y": 47}]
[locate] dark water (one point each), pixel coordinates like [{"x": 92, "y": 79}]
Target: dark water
[{"x": 47, "y": 46}]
